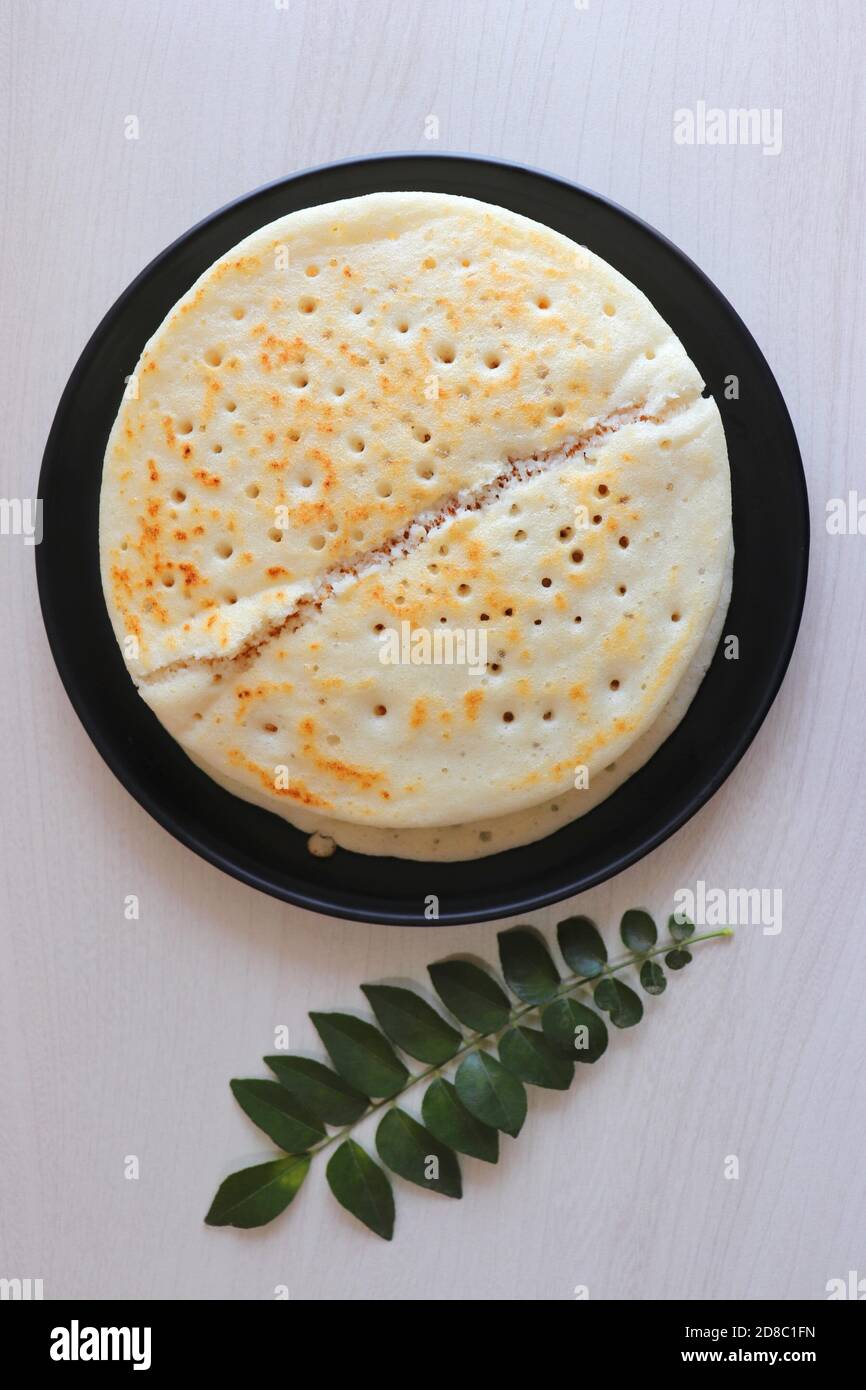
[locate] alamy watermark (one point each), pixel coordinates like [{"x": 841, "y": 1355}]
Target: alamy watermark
[
  {"x": 711, "y": 125},
  {"x": 21, "y": 516},
  {"x": 446, "y": 646},
  {"x": 730, "y": 907}
]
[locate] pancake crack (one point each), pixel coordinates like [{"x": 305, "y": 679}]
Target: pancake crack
[{"x": 462, "y": 503}]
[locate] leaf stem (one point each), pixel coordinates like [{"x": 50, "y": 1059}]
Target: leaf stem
[{"x": 566, "y": 986}]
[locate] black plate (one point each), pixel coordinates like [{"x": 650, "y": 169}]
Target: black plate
[{"x": 771, "y": 529}]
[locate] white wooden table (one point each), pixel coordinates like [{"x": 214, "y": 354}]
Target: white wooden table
[{"x": 118, "y": 1038}]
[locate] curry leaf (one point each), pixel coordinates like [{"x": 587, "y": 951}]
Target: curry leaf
[
  {"x": 446, "y": 1116},
  {"x": 652, "y": 977},
  {"x": 471, "y": 994},
  {"x": 412, "y": 1024},
  {"x": 491, "y": 1093},
  {"x": 319, "y": 1088},
  {"x": 581, "y": 946},
  {"x": 529, "y": 1056},
  {"x": 410, "y": 1150},
  {"x": 638, "y": 930},
  {"x": 527, "y": 965},
  {"x": 619, "y": 1001},
  {"x": 362, "y": 1188},
  {"x": 254, "y": 1196},
  {"x": 360, "y": 1054},
  {"x": 574, "y": 1030},
  {"x": 282, "y": 1116}
]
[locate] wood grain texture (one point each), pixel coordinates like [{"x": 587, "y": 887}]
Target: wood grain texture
[{"x": 119, "y": 1038}]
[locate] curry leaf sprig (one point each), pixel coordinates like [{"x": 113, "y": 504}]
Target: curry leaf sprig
[{"x": 311, "y": 1107}]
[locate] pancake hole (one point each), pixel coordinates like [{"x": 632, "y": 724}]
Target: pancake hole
[
  {"x": 339, "y": 389},
  {"x": 231, "y": 407},
  {"x": 520, "y": 535},
  {"x": 565, "y": 533},
  {"x": 429, "y": 263},
  {"x": 548, "y": 714},
  {"x": 577, "y": 556},
  {"x": 178, "y": 495},
  {"x": 307, "y": 304},
  {"x": 508, "y": 717},
  {"x": 495, "y": 667},
  {"x": 357, "y": 308},
  {"x": 269, "y": 728},
  {"x": 536, "y": 622},
  {"x": 596, "y": 520},
  {"x": 217, "y": 448},
  {"x": 492, "y": 360},
  {"x": 403, "y": 326},
  {"x": 445, "y": 352},
  {"x": 230, "y": 596},
  {"x": 252, "y": 490},
  {"x": 378, "y": 627},
  {"x": 238, "y": 311},
  {"x": 484, "y": 617},
  {"x": 421, "y": 434},
  {"x": 623, "y": 540},
  {"x": 508, "y": 612},
  {"x": 333, "y": 739},
  {"x": 317, "y": 542},
  {"x": 197, "y": 715},
  {"x": 546, "y": 583},
  {"x": 614, "y": 685},
  {"x": 384, "y": 488},
  {"x": 578, "y": 618},
  {"x": 224, "y": 550},
  {"x": 543, "y": 302},
  {"x": 602, "y": 489},
  {"x": 300, "y": 380},
  {"x": 312, "y": 270},
  {"x": 425, "y": 470},
  {"x": 275, "y": 534},
  {"x": 463, "y": 590},
  {"x": 305, "y": 480},
  {"x": 213, "y": 357},
  {"x": 356, "y": 444},
  {"x": 184, "y": 426},
  {"x": 557, "y": 409},
  {"x": 609, "y": 309},
  {"x": 168, "y": 581},
  {"x": 293, "y": 435},
  {"x": 675, "y": 617},
  {"x": 665, "y": 444},
  {"x": 379, "y": 711}
]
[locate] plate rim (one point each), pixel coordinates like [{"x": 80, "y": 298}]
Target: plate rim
[{"x": 527, "y": 901}]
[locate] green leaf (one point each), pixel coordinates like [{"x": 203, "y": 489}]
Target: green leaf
[
  {"x": 638, "y": 930},
  {"x": 680, "y": 930},
  {"x": 319, "y": 1088},
  {"x": 254, "y": 1196},
  {"x": 678, "y": 959},
  {"x": 529, "y": 1056},
  {"x": 282, "y": 1116},
  {"x": 450, "y": 1121},
  {"x": 581, "y": 946},
  {"x": 360, "y": 1054},
  {"x": 362, "y": 1188},
  {"x": 491, "y": 1093},
  {"x": 527, "y": 965},
  {"x": 619, "y": 1001},
  {"x": 574, "y": 1030},
  {"x": 652, "y": 977},
  {"x": 411, "y": 1151},
  {"x": 471, "y": 994},
  {"x": 412, "y": 1024}
]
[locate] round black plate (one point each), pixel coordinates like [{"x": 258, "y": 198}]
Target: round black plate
[{"x": 771, "y": 529}]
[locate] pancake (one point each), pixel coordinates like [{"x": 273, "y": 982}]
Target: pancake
[{"x": 421, "y": 423}]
